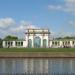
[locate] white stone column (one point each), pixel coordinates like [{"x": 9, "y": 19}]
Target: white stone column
[
  {"x": 24, "y": 43},
  {"x": 47, "y": 38},
  {"x": 61, "y": 44},
  {"x": 33, "y": 41},
  {"x": 4, "y": 44},
  {"x": 27, "y": 37},
  {"x": 41, "y": 40},
  {"x": 47, "y": 42},
  {"x": 14, "y": 45},
  {"x": 71, "y": 44},
  {"x": 50, "y": 43}
]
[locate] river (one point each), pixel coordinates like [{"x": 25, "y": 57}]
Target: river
[{"x": 38, "y": 66}]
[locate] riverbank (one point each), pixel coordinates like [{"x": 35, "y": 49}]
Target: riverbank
[
  {"x": 37, "y": 49},
  {"x": 37, "y": 52},
  {"x": 37, "y": 55}
]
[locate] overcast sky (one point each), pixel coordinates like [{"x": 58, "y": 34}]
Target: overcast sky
[{"x": 17, "y": 15}]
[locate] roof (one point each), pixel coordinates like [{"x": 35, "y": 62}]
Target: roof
[
  {"x": 63, "y": 40},
  {"x": 14, "y": 40}
]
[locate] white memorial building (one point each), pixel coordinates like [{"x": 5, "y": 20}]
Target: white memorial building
[
  {"x": 38, "y": 38},
  {"x": 34, "y": 38}
]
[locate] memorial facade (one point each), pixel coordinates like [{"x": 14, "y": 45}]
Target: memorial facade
[{"x": 39, "y": 38}]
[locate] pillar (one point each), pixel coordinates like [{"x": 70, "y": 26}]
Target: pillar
[
  {"x": 26, "y": 40},
  {"x": 61, "y": 43},
  {"x": 33, "y": 40},
  {"x": 14, "y": 45},
  {"x": 71, "y": 44},
  {"x": 50, "y": 45},
  {"x": 4, "y": 44},
  {"x": 41, "y": 37}
]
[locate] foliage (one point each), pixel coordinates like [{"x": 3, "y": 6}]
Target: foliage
[
  {"x": 0, "y": 43},
  {"x": 67, "y": 37},
  {"x": 9, "y": 37}
]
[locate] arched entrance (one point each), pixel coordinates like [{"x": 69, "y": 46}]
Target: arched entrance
[
  {"x": 44, "y": 43},
  {"x": 29, "y": 43},
  {"x": 37, "y": 42}
]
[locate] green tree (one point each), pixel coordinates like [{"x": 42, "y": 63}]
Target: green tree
[
  {"x": 1, "y": 43},
  {"x": 66, "y": 37},
  {"x": 59, "y": 38},
  {"x": 9, "y": 37}
]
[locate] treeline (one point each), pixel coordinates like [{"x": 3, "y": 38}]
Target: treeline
[
  {"x": 9, "y": 38},
  {"x": 67, "y": 37}
]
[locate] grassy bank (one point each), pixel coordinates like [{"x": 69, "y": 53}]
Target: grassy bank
[{"x": 37, "y": 49}]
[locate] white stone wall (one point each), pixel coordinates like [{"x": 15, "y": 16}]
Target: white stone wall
[
  {"x": 70, "y": 44},
  {"x": 14, "y": 44},
  {"x": 4, "y": 44},
  {"x": 24, "y": 43},
  {"x": 50, "y": 43},
  {"x": 26, "y": 40},
  {"x": 61, "y": 44},
  {"x": 40, "y": 36}
]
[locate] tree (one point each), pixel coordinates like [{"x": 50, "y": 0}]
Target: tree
[
  {"x": 0, "y": 43},
  {"x": 9, "y": 37},
  {"x": 69, "y": 37},
  {"x": 66, "y": 37},
  {"x": 59, "y": 38}
]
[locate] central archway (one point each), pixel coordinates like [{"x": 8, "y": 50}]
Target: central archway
[
  {"x": 37, "y": 42},
  {"x": 44, "y": 43},
  {"x": 29, "y": 43}
]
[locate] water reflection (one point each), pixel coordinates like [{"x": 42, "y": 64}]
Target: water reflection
[{"x": 32, "y": 65}]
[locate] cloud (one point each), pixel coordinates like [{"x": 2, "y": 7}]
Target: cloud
[
  {"x": 8, "y": 26},
  {"x": 71, "y": 23},
  {"x": 69, "y": 0},
  {"x": 68, "y": 6},
  {"x": 27, "y": 25},
  {"x": 5, "y": 22},
  {"x": 17, "y": 29},
  {"x": 23, "y": 26},
  {"x": 53, "y": 7}
]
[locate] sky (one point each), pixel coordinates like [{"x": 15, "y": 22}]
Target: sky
[{"x": 56, "y": 15}]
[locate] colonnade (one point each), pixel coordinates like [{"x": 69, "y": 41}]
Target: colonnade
[
  {"x": 13, "y": 44},
  {"x": 62, "y": 43}
]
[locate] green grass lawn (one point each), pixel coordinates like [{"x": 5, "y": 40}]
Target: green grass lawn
[{"x": 37, "y": 49}]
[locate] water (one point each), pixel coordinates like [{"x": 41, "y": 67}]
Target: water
[{"x": 41, "y": 66}]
